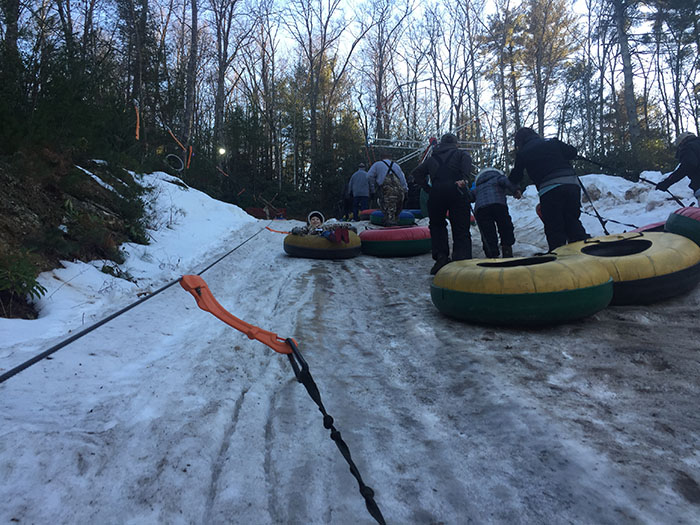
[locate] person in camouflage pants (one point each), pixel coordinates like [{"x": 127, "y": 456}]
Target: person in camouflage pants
[{"x": 386, "y": 175}]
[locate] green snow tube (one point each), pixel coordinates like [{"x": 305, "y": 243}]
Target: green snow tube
[
  {"x": 685, "y": 222},
  {"x": 537, "y": 290}
]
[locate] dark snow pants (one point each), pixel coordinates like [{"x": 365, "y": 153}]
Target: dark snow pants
[
  {"x": 561, "y": 215},
  {"x": 444, "y": 198},
  {"x": 489, "y": 218}
]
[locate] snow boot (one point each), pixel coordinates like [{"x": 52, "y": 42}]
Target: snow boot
[
  {"x": 442, "y": 261},
  {"x": 507, "y": 251}
]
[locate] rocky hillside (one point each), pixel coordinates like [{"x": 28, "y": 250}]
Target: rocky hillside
[{"x": 54, "y": 207}]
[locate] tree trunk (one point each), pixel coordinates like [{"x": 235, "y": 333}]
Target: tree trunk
[
  {"x": 11, "y": 63},
  {"x": 191, "y": 82},
  {"x": 630, "y": 103}
]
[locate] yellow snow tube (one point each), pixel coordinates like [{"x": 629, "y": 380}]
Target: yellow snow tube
[
  {"x": 525, "y": 290},
  {"x": 317, "y": 247},
  {"x": 645, "y": 266}
]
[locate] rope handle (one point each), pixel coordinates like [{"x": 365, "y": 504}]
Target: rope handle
[
  {"x": 206, "y": 301},
  {"x": 620, "y": 237}
]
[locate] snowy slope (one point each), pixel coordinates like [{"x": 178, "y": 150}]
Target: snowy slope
[{"x": 166, "y": 415}]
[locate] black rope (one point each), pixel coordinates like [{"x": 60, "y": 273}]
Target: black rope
[
  {"x": 632, "y": 175},
  {"x": 16, "y": 370},
  {"x": 301, "y": 371},
  {"x": 590, "y": 201},
  {"x": 612, "y": 220},
  {"x": 673, "y": 197}
]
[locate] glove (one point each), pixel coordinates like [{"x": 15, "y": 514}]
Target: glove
[{"x": 662, "y": 186}]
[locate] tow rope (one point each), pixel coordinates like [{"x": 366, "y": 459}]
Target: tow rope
[
  {"x": 199, "y": 289},
  {"x": 46, "y": 353},
  {"x": 673, "y": 197},
  {"x": 630, "y": 174},
  {"x": 612, "y": 220},
  {"x": 275, "y": 231},
  {"x": 590, "y": 201}
]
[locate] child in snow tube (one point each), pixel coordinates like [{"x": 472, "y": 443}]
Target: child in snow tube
[{"x": 333, "y": 231}]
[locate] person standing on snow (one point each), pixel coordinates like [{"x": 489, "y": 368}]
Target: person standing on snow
[
  {"x": 447, "y": 169},
  {"x": 688, "y": 155},
  {"x": 359, "y": 188},
  {"x": 491, "y": 211},
  {"x": 387, "y": 179},
  {"x": 548, "y": 163}
]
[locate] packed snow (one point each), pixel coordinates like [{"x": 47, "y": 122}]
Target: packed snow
[{"x": 167, "y": 415}]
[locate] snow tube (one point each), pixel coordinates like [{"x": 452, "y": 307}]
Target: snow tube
[
  {"x": 418, "y": 214},
  {"x": 646, "y": 266},
  {"x": 405, "y": 218},
  {"x": 317, "y": 247},
  {"x": 685, "y": 222},
  {"x": 536, "y": 290},
  {"x": 653, "y": 227},
  {"x": 396, "y": 241},
  {"x": 365, "y": 214}
]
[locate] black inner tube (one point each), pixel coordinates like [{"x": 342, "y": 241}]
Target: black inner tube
[
  {"x": 617, "y": 248},
  {"x": 511, "y": 263}
]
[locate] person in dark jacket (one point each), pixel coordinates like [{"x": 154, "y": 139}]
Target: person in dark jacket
[
  {"x": 548, "y": 164},
  {"x": 688, "y": 155},
  {"x": 444, "y": 176},
  {"x": 491, "y": 211}
]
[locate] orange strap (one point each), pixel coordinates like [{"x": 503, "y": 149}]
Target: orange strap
[
  {"x": 138, "y": 121},
  {"x": 276, "y": 231},
  {"x": 175, "y": 139},
  {"x": 206, "y": 301}
]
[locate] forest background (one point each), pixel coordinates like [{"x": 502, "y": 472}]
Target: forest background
[{"x": 276, "y": 102}]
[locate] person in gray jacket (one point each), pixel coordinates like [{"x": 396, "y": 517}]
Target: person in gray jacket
[
  {"x": 491, "y": 211},
  {"x": 359, "y": 188}
]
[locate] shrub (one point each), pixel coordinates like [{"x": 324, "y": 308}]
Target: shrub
[{"x": 17, "y": 282}]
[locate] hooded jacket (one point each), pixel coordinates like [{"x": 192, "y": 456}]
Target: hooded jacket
[
  {"x": 491, "y": 188},
  {"x": 688, "y": 155},
  {"x": 459, "y": 165},
  {"x": 546, "y": 161}
]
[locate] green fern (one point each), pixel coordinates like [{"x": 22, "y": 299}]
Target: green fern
[{"x": 18, "y": 277}]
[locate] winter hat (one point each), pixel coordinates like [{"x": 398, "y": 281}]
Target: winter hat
[
  {"x": 361, "y": 165},
  {"x": 488, "y": 170},
  {"x": 448, "y": 138},
  {"x": 315, "y": 214},
  {"x": 682, "y": 137},
  {"x": 523, "y": 136}
]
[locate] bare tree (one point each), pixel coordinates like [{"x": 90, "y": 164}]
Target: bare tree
[
  {"x": 379, "y": 51},
  {"x": 549, "y": 43},
  {"x": 191, "y": 77},
  {"x": 226, "y": 19},
  {"x": 317, "y": 27},
  {"x": 621, "y": 21}
]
